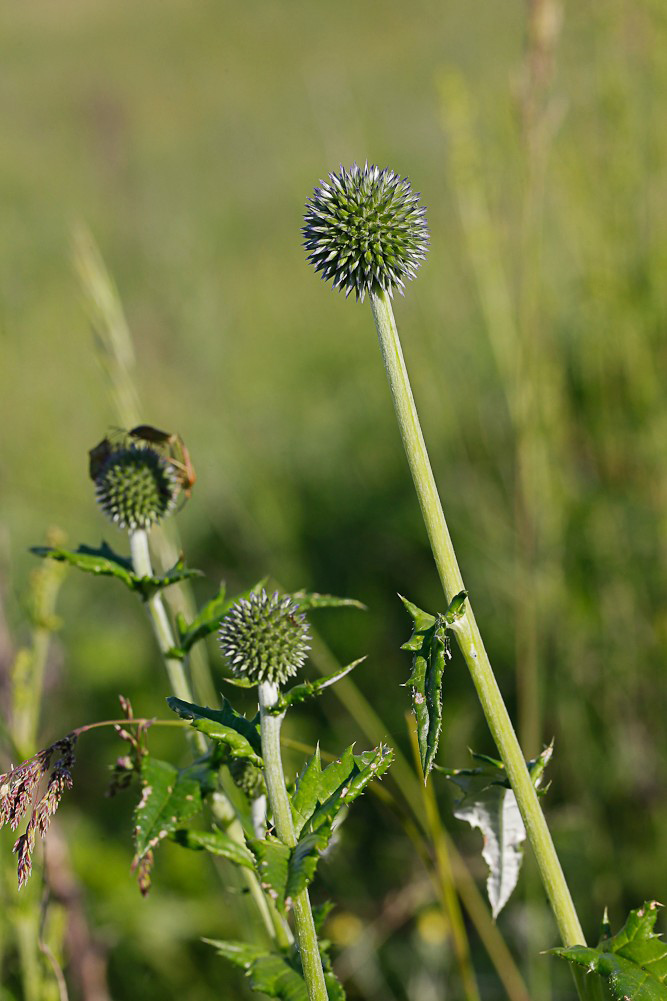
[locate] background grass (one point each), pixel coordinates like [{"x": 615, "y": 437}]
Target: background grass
[{"x": 187, "y": 137}]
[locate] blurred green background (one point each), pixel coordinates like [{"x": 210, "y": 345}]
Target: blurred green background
[{"x": 187, "y": 137}]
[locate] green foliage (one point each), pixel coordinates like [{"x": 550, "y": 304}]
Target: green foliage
[
  {"x": 288, "y": 871},
  {"x": 277, "y": 975},
  {"x": 633, "y": 963},
  {"x": 239, "y": 736},
  {"x": 319, "y": 797},
  {"x": 310, "y": 689},
  {"x": 429, "y": 645},
  {"x": 489, "y": 804},
  {"x": 207, "y": 619},
  {"x": 169, "y": 797},
  {"x": 215, "y": 843},
  {"x": 308, "y": 601},
  {"x": 321, "y": 794},
  {"x": 104, "y": 562}
]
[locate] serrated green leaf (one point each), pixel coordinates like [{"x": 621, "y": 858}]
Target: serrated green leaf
[
  {"x": 310, "y": 689},
  {"x": 239, "y": 735},
  {"x": 106, "y": 563},
  {"x": 310, "y": 600},
  {"x": 269, "y": 972},
  {"x": 205, "y": 621},
  {"x": 489, "y": 804},
  {"x": 284, "y": 871},
  {"x": 304, "y": 859},
  {"x": 149, "y": 585},
  {"x": 633, "y": 963},
  {"x": 275, "y": 974},
  {"x": 214, "y": 842},
  {"x": 272, "y": 865},
  {"x": 366, "y": 767},
  {"x": 422, "y": 621},
  {"x": 315, "y": 786},
  {"x": 169, "y": 798},
  {"x": 103, "y": 561},
  {"x": 429, "y": 645}
]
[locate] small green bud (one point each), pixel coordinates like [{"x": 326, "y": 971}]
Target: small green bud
[
  {"x": 247, "y": 777},
  {"x": 365, "y": 230},
  {"x": 264, "y": 637},
  {"x": 135, "y": 486}
]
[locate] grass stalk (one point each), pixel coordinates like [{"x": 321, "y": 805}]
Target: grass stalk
[
  {"x": 467, "y": 632},
  {"x": 445, "y": 876}
]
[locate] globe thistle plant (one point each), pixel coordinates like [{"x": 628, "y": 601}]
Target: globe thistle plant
[
  {"x": 365, "y": 230},
  {"x": 265, "y": 638},
  {"x": 135, "y": 486}
]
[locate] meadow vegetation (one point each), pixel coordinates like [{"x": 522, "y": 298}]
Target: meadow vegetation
[{"x": 185, "y": 138}]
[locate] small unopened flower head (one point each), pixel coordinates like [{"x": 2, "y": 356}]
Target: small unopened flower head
[
  {"x": 365, "y": 230},
  {"x": 136, "y": 486},
  {"x": 247, "y": 777},
  {"x": 264, "y": 637}
]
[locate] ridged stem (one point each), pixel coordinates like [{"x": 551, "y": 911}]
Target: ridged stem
[
  {"x": 141, "y": 562},
  {"x": 274, "y": 776},
  {"x": 467, "y": 631}
]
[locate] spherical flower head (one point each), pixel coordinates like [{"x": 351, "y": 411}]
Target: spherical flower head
[
  {"x": 364, "y": 229},
  {"x": 136, "y": 487},
  {"x": 264, "y": 637}
]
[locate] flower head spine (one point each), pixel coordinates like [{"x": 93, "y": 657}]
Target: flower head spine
[
  {"x": 264, "y": 637},
  {"x": 365, "y": 230}
]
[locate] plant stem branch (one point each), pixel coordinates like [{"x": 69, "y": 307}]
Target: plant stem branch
[
  {"x": 141, "y": 562},
  {"x": 467, "y": 631},
  {"x": 306, "y": 936}
]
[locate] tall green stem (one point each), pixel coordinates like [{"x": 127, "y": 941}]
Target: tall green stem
[
  {"x": 306, "y": 936},
  {"x": 141, "y": 561},
  {"x": 467, "y": 631}
]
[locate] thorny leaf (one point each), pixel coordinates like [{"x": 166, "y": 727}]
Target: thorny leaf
[
  {"x": 277, "y": 974},
  {"x": 632, "y": 963},
  {"x": 216, "y": 843},
  {"x": 239, "y": 735},
  {"x": 106, "y": 563},
  {"x": 310, "y": 689},
  {"x": 429, "y": 645},
  {"x": 169, "y": 798}
]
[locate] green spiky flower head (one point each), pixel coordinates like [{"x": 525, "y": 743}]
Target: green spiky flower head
[
  {"x": 365, "y": 230},
  {"x": 264, "y": 637},
  {"x": 135, "y": 486}
]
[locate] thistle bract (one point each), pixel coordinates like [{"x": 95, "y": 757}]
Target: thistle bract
[
  {"x": 264, "y": 637},
  {"x": 365, "y": 230},
  {"x": 136, "y": 487}
]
